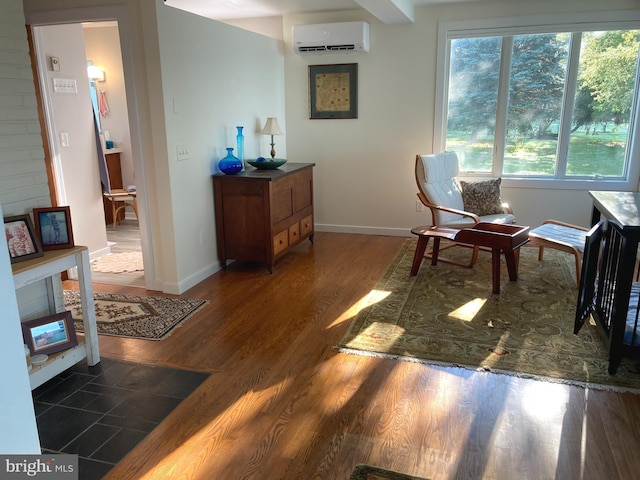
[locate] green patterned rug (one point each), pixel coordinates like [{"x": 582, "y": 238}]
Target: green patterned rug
[
  {"x": 447, "y": 315},
  {"x": 367, "y": 472}
]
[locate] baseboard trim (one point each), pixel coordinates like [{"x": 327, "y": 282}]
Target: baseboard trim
[{"x": 384, "y": 231}]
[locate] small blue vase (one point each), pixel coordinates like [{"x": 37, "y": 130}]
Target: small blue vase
[
  {"x": 240, "y": 144},
  {"x": 230, "y": 164}
]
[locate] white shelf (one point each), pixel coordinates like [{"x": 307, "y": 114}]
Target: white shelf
[{"x": 44, "y": 268}]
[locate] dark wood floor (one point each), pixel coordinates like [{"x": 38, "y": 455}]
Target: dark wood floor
[{"x": 282, "y": 403}]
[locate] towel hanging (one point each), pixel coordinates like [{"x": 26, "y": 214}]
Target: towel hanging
[{"x": 103, "y": 106}]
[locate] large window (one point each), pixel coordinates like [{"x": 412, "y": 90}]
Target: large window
[{"x": 558, "y": 105}]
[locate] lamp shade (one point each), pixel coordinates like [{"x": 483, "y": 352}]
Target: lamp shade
[
  {"x": 94, "y": 73},
  {"x": 272, "y": 127}
]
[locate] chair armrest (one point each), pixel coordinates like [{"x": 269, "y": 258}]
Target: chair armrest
[
  {"x": 507, "y": 208},
  {"x": 462, "y": 213},
  {"x": 564, "y": 224}
]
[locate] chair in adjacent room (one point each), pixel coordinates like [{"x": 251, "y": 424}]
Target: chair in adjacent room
[
  {"x": 458, "y": 204},
  {"x": 120, "y": 199}
]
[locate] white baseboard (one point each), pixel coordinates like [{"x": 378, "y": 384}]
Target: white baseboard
[{"x": 388, "y": 232}]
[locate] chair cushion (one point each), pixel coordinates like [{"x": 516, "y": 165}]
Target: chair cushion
[
  {"x": 436, "y": 174},
  {"x": 482, "y": 198}
]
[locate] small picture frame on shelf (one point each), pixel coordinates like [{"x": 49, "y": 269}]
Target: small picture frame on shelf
[
  {"x": 22, "y": 240},
  {"x": 53, "y": 226},
  {"x": 50, "y": 334}
]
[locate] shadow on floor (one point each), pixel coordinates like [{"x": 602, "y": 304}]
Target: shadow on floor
[{"x": 101, "y": 413}]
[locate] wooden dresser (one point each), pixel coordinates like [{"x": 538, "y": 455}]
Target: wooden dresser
[{"x": 262, "y": 214}]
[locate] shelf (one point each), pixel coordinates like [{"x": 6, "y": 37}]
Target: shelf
[{"x": 44, "y": 269}]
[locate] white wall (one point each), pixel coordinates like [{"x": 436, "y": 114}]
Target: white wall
[
  {"x": 364, "y": 180},
  {"x": 23, "y": 185},
  {"x": 72, "y": 114},
  {"x": 19, "y": 432},
  {"x": 214, "y": 78},
  {"x": 102, "y": 46}
]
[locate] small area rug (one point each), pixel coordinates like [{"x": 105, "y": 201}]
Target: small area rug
[
  {"x": 119, "y": 263},
  {"x": 447, "y": 315},
  {"x": 367, "y": 472},
  {"x": 151, "y": 318}
]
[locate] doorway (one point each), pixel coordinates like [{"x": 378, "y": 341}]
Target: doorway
[{"x": 70, "y": 152}]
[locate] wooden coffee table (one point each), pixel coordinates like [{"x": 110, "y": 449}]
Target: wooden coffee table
[{"x": 499, "y": 238}]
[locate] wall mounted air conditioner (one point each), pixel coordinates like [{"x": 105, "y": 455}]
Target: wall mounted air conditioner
[{"x": 341, "y": 37}]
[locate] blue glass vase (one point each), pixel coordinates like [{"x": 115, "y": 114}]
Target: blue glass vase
[
  {"x": 240, "y": 144},
  {"x": 230, "y": 164}
]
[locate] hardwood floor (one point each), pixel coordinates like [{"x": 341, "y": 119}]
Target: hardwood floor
[{"x": 282, "y": 403}]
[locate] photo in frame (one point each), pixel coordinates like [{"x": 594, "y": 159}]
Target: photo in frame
[
  {"x": 53, "y": 227},
  {"x": 333, "y": 91},
  {"x": 50, "y": 334},
  {"x": 22, "y": 240}
]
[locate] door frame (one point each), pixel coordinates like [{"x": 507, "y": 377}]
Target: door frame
[{"x": 119, "y": 14}]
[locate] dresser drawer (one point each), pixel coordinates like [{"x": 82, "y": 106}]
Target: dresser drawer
[
  {"x": 294, "y": 233},
  {"x": 280, "y": 241},
  {"x": 306, "y": 226}
]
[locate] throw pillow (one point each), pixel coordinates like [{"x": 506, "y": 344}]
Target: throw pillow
[{"x": 482, "y": 198}]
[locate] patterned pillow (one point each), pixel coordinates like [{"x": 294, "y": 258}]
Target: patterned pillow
[{"x": 482, "y": 198}]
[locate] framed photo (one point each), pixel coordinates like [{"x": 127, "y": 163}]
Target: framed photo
[
  {"x": 22, "y": 241},
  {"x": 50, "y": 334},
  {"x": 333, "y": 91},
  {"x": 53, "y": 226}
]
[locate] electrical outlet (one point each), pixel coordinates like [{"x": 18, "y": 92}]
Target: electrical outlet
[
  {"x": 419, "y": 206},
  {"x": 183, "y": 152}
]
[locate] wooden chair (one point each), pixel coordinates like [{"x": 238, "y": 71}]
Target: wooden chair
[
  {"x": 120, "y": 199},
  {"x": 440, "y": 191}
]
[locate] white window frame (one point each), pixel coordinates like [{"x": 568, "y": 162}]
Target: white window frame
[{"x": 512, "y": 26}]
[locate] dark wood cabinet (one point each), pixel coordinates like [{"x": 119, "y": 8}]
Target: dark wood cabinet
[{"x": 262, "y": 214}]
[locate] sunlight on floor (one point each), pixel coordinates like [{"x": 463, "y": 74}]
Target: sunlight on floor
[
  {"x": 373, "y": 297},
  {"x": 469, "y": 310},
  {"x": 544, "y": 400}
]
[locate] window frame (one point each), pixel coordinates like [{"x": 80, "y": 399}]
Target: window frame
[{"x": 539, "y": 24}]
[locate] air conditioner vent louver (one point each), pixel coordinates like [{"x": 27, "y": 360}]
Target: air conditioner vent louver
[{"x": 342, "y": 37}]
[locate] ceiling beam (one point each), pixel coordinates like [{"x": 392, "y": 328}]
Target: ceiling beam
[{"x": 389, "y": 11}]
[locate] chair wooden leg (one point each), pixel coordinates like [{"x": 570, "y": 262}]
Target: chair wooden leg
[{"x": 419, "y": 255}]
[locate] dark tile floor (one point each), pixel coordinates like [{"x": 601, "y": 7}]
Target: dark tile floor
[{"x": 102, "y": 412}]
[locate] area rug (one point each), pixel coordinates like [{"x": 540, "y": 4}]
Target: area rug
[
  {"x": 119, "y": 263},
  {"x": 151, "y": 318},
  {"x": 367, "y": 472},
  {"x": 447, "y": 315}
]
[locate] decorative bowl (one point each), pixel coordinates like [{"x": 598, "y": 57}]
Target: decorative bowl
[{"x": 267, "y": 164}]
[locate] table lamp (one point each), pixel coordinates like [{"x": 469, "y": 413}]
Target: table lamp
[{"x": 272, "y": 128}]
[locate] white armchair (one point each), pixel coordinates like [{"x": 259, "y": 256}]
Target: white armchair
[{"x": 456, "y": 204}]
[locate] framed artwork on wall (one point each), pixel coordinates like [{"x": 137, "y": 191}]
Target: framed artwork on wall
[
  {"x": 50, "y": 334},
  {"x": 53, "y": 227},
  {"x": 333, "y": 91},
  {"x": 22, "y": 240}
]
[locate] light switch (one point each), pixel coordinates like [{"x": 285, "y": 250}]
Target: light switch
[
  {"x": 183, "y": 152},
  {"x": 64, "y": 139}
]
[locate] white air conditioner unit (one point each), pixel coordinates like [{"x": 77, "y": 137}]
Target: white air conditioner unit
[{"x": 341, "y": 37}]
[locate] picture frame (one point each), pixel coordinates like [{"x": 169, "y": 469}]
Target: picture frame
[
  {"x": 50, "y": 334},
  {"x": 22, "y": 240},
  {"x": 53, "y": 227},
  {"x": 333, "y": 91}
]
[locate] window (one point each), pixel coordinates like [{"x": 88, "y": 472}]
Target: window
[{"x": 554, "y": 105}]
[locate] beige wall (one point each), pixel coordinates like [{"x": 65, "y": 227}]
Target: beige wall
[{"x": 364, "y": 174}]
